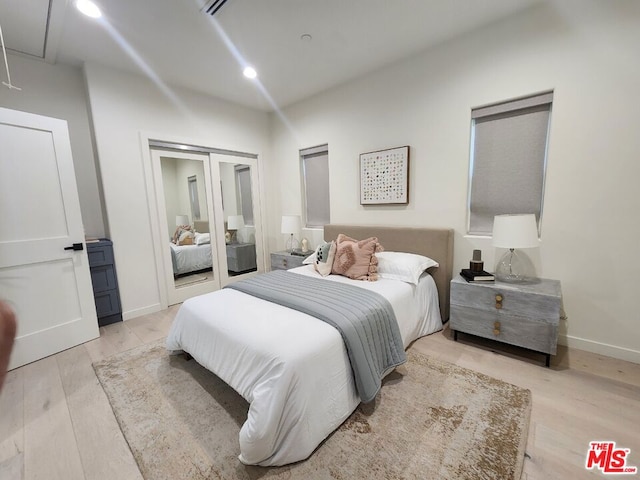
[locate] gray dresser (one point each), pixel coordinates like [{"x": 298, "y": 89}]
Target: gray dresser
[
  {"x": 105, "y": 281},
  {"x": 285, "y": 261},
  {"x": 526, "y": 315},
  {"x": 241, "y": 257}
]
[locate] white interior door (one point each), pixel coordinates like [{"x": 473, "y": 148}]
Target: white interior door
[{"x": 48, "y": 284}]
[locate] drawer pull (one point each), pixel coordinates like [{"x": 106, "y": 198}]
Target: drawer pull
[
  {"x": 284, "y": 262},
  {"x": 499, "y": 299},
  {"x": 496, "y": 332},
  {"x": 496, "y": 325}
]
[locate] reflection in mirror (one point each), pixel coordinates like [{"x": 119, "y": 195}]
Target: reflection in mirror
[
  {"x": 237, "y": 203},
  {"x": 187, "y": 221}
]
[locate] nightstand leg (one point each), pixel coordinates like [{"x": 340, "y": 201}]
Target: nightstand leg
[
  {"x": 455, "y": 335},
  {"x": 548, "y": 362}
]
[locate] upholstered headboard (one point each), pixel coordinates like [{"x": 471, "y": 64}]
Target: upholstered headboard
[
  {"x": 435, "y": 243},
  {"x": 201, "y": 226}
]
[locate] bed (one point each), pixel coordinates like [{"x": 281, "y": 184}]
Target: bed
[
  {"x": 197, "y": 257},
  {"x": 293, "y": 369}
]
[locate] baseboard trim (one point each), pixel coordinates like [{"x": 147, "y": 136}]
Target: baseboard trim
[
  {"x": 138, "y": 312},
  {"x": 600, "y": 348}
]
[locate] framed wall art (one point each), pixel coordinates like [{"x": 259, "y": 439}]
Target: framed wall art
[{"x": 384, "y": 177}]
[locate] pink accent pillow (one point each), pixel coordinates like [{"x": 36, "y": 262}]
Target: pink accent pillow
[{"x": 356, "y": 259}]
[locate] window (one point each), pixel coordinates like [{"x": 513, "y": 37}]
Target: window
[
  {"x": 315, "y": 185},
  {"x": 243, "y": 189},
  {"x": 508, "y": 160},
  {"x": 193, "y": 197}
]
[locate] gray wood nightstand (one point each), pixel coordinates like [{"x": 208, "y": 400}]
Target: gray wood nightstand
[
  {"x": 285, "y": 261},
  {"x": 241, "y": 257},
  {"x": 526, "y": 315}
]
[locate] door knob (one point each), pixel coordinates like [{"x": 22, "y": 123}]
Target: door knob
[{"x": 75, "y": 246}]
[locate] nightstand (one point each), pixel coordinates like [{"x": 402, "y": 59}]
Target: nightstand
[
  {"x": 241, "y": 257},
  {"x": 285, "y": 261},
  {"x": 525, "y": 315}
]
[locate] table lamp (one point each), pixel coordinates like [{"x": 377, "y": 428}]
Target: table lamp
[
  {"x": 182, "y": 220},
  {"x": 515, "y": 231},
  {"x": 234, "y": 223},
  {"x": 290, "y": 225}
]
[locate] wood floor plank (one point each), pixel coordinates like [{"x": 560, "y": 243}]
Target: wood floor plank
[
  {"x": 50, "y": 449},
  {"x": 148, "y": 329},
  {"x": 103, "y": 449},
  {"x": 100, "y": 348},
  {"x": 12, "y": 426},
  {"x": 121, "y": 337}
]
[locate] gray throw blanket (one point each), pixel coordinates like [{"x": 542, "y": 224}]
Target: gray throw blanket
[{"x": 364, "y": 318}]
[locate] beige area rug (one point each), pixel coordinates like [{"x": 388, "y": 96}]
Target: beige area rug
[{"x": 431, "y": 420}]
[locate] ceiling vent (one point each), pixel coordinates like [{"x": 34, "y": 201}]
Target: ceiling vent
[{"x": 211, "y": 7}]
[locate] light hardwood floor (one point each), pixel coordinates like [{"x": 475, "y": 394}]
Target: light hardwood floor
[{"x": 56, "y": 422}]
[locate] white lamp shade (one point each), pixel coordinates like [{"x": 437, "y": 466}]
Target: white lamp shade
[
  {"x": 182, "y": 220},
  {"x": 515, "y": 231},
  {"x": 235, "y": 222},
  {"x": 290, "y": 224}
]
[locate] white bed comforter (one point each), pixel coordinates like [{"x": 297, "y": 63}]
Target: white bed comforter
[
  {"x": 191, "y": 258},
  {"x": 292, "y": 368}
]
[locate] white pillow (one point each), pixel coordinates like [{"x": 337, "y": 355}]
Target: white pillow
[
  {"x": 203, "y": 238},
  {"x": 310, "y": 260},
  {"x": 406, "y": 267},
  {"x": 325, "y": 254}
]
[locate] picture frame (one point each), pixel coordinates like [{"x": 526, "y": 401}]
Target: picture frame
[{"x": 384, "y": 177}]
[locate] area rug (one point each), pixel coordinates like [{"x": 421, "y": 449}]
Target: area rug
[{"x": 431, "y": 420}]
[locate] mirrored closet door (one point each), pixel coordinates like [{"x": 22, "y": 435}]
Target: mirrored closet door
[
  {"x": 238, "y": 220},
  {"x": 185, "y": 222}
]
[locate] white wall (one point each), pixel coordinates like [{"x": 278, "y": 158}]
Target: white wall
[
  {"x": 123, "y": 106},
  {"x": 59, "y": 91},
  {"x": 586, "y": 53}
]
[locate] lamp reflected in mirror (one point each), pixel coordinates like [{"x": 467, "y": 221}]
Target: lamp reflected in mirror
[
  {"x": 182, "y": 220},
  {"x": 234, "y": 223}
]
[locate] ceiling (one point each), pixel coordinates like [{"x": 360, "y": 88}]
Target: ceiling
[{"x": 175, "y": 43}]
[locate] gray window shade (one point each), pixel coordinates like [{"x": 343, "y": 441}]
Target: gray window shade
[
  {"x": 508, "y": 158},
  {"x": 315, "y": 172},
  {"x": 243, "y": 179}
]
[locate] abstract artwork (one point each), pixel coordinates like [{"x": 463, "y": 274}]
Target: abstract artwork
[{"x": 384, "y": 177}]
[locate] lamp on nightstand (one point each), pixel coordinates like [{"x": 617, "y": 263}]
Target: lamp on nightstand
[
  {"x": 291, "y": 225},
  {"x": 182, "y": 220},
  {"x": 234, "y": 223},
  {"x": 515, "y": 231}
]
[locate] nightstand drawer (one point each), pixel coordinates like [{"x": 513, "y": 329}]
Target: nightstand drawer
[
  {"x": 285, "y": 261},
  {"x": 507, "y": 300},
  {"x": 536, "y": 335}
]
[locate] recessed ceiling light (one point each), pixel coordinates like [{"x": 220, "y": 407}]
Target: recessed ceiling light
[
  {"x": 250, "y": 72},
  {"x": 89, "y": 8}
]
